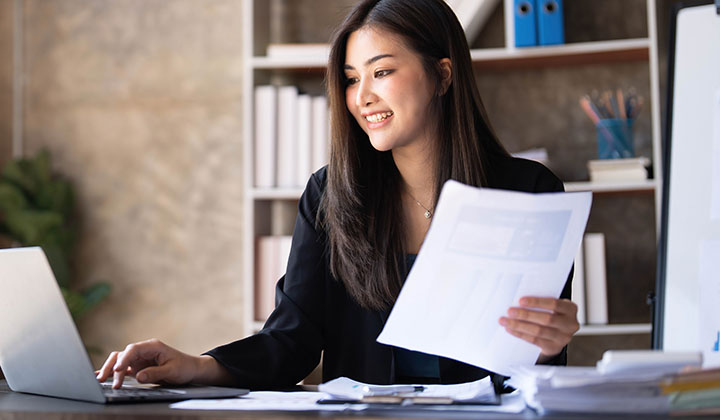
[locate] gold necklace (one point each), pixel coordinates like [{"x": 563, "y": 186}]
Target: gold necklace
[{"x": 428, "y": 212}]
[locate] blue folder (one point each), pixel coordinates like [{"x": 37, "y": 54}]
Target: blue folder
[
  {"x": 550, "y": 22},
  {"x": 525, "y": 27}
]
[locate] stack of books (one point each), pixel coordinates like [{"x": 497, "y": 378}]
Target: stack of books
[
  {"x": 618, "y": 170},
  {"x": 291, "y": 136},
  {"x": 271, "y": 254}
]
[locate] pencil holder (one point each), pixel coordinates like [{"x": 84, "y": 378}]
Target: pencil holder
[{"x": 615, "y": 139}]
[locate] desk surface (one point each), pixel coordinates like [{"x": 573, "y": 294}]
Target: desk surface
[{"x": 17, "y": 406}]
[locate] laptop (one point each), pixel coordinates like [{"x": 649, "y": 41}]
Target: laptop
[{"x": 40, "y": 348}]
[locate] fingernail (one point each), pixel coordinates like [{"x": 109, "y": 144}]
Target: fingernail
[
  {"x": 141, "y": 377},
  {"x": 503, "y": 321},
  {"x": 524, "y": 301},
  {"x": 512, "y": 312}
]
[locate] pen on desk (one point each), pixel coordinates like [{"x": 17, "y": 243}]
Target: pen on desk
[{"x": 391, "y": 390}]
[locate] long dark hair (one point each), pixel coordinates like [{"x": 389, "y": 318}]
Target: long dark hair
[{"x": 361, "y": 208}]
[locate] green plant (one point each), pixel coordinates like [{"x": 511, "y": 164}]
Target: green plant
[{"x": 36, "y": 209}]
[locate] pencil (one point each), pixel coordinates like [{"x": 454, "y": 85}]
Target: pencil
[{"x": 621, "y": 104}]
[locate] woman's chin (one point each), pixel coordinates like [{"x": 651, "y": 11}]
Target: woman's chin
[{"x": 381, "y": 146}]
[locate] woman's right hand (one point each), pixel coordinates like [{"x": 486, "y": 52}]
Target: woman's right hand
[{"x": 153, "y": 361}]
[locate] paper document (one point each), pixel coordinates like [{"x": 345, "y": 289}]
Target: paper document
[
  {"x": 485, "y": 249},
  {"x": 480, "y": 391},
  {"x": 267, "y": 400}
]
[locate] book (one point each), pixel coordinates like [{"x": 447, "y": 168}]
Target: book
[
  {"x": 265, "y": 277},
  {"x": 613, "y": 170},
  {"x": 290, "y": 50},
  {"x": 578, "y": 285},
  {"x": 320, "y": 131},
  {"x": 304, "y": 140},
  {"x": 265, "y": 148},
  {"x": 287, "y": 119},
  {"x": 595, "y": 278},
  {"x": 271, "y": 256}
]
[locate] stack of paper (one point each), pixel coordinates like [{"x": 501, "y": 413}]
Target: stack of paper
[
  {"x": 584, "y": 389},
  {"x": 478, "y": 392},
  {"x": 694, "y": 391},
  {"x": 616, "y": 385}
]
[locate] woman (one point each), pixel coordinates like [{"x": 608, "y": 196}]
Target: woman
[{"x": 406, "y": 116}]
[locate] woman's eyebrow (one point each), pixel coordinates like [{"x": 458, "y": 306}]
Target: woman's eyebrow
[{"x": 370, "y": 61}]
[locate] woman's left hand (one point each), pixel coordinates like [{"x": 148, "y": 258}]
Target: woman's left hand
[{"x": 548, "y": 323}]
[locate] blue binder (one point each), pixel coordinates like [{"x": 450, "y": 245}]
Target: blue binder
[
  {"x": 550, "y": 22},
  {"x": 525, "y": 26}
]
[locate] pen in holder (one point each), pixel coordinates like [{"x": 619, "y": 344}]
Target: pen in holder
[
  {"x": 615, "y": 138},
  {"x": 613, "y": 116}
]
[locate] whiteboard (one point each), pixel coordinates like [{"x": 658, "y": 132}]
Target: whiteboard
[{"x": 689, "y": 256}]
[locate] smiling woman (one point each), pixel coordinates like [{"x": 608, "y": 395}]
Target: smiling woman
[{"x": 406, "y": 116}]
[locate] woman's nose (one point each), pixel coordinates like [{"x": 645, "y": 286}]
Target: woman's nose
[{"x": 365, "y": 95}]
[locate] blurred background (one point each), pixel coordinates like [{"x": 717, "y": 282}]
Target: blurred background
[{"x": 139, "y": 104}]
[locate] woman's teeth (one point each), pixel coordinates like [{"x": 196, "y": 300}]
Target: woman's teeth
[{"x": 379, "y": 117}]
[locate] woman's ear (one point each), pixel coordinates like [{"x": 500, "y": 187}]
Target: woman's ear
[{"x": 445, "y": 74}]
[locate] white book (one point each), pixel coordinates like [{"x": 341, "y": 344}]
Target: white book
[
  {"x": 320, "y": 133},
  {"x": 287, "y": 136},
  {"x": 271, "y": 255},
  {"x": 265, "y": 147},
  {"x": 304, "y": 140},
  {"x": 613, "y": 170},
  {"x": 265, "y": 276},
  {"x": 619, "y": 175},
  {"x": 578, "y": 286},
  {"x": 596, "y": 280},
  {"x": 283, "y": 253},
  {"x": 298, "y": 50}
]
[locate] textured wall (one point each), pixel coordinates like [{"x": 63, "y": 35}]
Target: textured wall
[
  {"x": 6, "y": 78},
  {"x": 139, "y": 103}
]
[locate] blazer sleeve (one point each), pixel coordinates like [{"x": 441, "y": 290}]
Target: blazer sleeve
[{"x": 288, "y": 347}]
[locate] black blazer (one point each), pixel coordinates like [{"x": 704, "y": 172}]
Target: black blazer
[{"x": 314, "y": 313}]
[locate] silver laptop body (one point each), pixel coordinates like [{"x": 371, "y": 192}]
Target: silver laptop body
[{"x": 40, "y": 348}]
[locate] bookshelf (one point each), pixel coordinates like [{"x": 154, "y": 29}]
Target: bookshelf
[{"x": 260, "y": 69}]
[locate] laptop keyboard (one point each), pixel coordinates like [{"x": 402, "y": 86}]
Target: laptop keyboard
[{"x": 137, "y": 392}]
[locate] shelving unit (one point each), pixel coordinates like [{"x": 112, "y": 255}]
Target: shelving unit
[{"x": 257, "y": 66}]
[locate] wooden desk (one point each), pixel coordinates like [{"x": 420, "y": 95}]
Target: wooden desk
[{"x": 17, "y": 406}]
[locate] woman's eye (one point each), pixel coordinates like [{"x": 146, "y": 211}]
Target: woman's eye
[
  {"x": 350, "y": 81},
  {"x": 382, "y": 73}
]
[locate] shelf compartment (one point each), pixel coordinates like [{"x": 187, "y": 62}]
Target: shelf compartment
[
  {"x": 599, "y": 187},
  {"x": 576, "y": 53},
  {"x": 622, "y": 50},
  {"x": 276, "y": 193},
  {"x": 614, "y": 329},
  {"x": 611, "y": 187}
]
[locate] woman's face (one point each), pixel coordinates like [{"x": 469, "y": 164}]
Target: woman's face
[{"x": 388, "y": 91}]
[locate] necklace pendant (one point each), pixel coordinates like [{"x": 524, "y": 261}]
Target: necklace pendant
[{"x": 428, "y": 214}]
